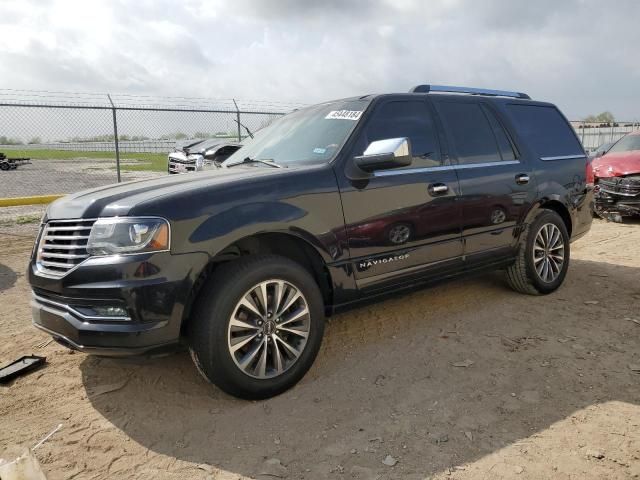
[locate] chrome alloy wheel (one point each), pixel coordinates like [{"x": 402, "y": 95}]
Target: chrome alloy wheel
[
  {"x": 268, "y": 329},
  {"x": 548, "y": 252}
]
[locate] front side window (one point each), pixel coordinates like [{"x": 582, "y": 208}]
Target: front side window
[
  {"x": 546, "y": 130},
  {"x": 311, "y": 135},
  {"x": 472, "y": 136},
  {"x": 404, "y": 119}
]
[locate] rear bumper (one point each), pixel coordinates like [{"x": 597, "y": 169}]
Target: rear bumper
[
  {"x": 152, "y": 291},
  {"x": 582, "y": 214}
]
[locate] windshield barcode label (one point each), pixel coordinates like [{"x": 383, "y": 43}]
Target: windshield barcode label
[{"x": 344, "y": 115}]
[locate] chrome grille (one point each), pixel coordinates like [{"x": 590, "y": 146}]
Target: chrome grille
[
  {"x": 63, "y": 245},
  {"x": 626, "y": 186}
]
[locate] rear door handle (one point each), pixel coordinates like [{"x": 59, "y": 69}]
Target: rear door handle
[
  {"x": 438, "y": 189},
  {"x": 522, "y": 179}
]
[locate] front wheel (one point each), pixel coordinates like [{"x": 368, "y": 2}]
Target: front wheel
[
  {"x": 257, "y": 326},
  {"x": 543, "y": 256}
]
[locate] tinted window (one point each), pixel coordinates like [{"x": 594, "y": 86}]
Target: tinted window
[
  {"x": 472, "y": 135},
  {"x": 627, "y": 144},
  {"x": 546, "y": 130},
  {"x": 409, "y": 119},
  {"x": 504, "y": 144}
]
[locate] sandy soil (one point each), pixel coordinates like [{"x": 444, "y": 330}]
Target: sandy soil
[{"x": 549, "y": 390}]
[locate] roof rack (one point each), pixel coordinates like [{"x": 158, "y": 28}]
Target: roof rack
[{"x": 470, "y": 91}]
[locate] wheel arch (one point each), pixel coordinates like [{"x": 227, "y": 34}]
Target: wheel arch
[
  {"x": 552, "y": 204},
  {"x": 286, "y": 244}
]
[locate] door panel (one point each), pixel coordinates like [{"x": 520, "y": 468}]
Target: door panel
[
  {"x": 493, "y": 205},
  {"x": 394, "y": 223},
  {"x": 494, "y": 195},
  {"x": 401, "y": 221}
]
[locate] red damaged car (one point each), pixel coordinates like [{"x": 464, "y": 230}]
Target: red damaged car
[{"x": 617, "y": 178}]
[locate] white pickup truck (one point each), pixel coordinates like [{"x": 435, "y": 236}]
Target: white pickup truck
[{"x": 196, "y": 154}]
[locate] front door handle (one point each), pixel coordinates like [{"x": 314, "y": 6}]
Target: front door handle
[
  {"x": 438, "y": 189},
  {"x": 522, "y": 179}
]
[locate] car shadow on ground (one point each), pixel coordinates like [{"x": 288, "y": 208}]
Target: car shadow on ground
[
  {"x": 7, "y": 277},
  {"x": 385, "y": 381}
]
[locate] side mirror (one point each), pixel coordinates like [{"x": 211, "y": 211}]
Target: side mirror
[{"x": 385, "y": 154}]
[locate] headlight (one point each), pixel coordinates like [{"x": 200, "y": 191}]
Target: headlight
[
  {"x": 198, "y": 159},
  {"x": 111, "y": 236}
]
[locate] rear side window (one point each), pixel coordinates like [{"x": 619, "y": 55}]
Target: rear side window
[
  {"x": 546, "y": 130},
  {"x": 474, "y": 138},
  {"x": 504, "y": 144}
]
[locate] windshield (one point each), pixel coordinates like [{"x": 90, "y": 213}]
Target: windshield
[
  {"x": 308, "y": 136},
  {"x": 626, "y": 144}
]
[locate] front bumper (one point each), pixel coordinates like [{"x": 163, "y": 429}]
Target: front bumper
[
  {"x": 153, "y": 289},
  {"x": 179, "y": 165},
  {"x": 617, "y": 196}
]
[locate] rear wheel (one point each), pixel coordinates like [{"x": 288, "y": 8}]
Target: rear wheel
[
  {"x": 257, "y": 326},
  {"x": 543, "y": 257},
  {"x": 4, "y": 166}
]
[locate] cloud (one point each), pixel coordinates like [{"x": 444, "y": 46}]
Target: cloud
[{"x": 579, "y": 54}]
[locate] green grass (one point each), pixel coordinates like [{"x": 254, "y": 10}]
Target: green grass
[
  {"x": 20, "y": 220},
  {"x": 154, "y": 162}
]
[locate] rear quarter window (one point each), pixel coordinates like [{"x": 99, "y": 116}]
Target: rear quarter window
[{"x": 546, "y": 131}]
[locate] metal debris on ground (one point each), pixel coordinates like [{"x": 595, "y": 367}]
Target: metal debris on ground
[
  {"x": 464, "y": 363},
  {"x": 22, "y": 366}
]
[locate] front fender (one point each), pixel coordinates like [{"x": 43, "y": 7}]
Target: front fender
[{"x": 216, "y": 233}]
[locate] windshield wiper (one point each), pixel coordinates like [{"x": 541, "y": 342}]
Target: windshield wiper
[{"x": 269, "y": 162}]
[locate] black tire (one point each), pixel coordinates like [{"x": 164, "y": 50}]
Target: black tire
[
  {"x": 522, "y": 275},
  {"x": 4, "y": 166},
  {"x": 208, "y": 329}
]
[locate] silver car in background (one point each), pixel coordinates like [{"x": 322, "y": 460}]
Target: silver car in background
[{"x": 197, "y": 154}]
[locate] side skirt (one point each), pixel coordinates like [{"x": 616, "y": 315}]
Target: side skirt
[{"x": 470, "y": 270}]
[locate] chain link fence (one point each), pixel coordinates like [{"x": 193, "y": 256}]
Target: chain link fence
[
  {"x": 80, "y": 141},
  {"x": 54, "y": 143}
]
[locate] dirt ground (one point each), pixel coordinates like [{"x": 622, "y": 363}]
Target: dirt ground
[
  {"x": 548, "y": 390},
  {"x": 51, "y": 177}
]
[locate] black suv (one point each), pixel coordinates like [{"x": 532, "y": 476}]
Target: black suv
[{"x": 329, "y": 206}]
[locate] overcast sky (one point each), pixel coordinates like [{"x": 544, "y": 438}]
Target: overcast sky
[{"x": 580, "y": 54}]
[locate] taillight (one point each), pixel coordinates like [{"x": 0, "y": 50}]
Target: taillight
[{"x": 590, "y": 177}]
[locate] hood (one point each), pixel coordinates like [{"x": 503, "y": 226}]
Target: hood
[
  {"x": 119, "y": 199},
  {"x": 182, "y": 144},
  {"x": 617, "y": 164},
  {"x": 202, "y": 146}
]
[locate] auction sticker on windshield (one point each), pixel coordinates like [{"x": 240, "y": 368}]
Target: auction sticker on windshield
[{"x": 344, "y": 115}]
